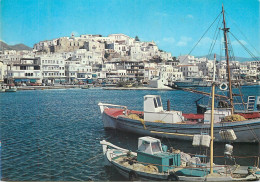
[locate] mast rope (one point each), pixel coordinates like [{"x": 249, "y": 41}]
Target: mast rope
[
  {"x": 202, "y": 37},
  {"x": 214, "y": 39},
  {"x": 253, "y": 133},
  {"x": 257, "y": 51},
  {"x": 248, "y": 51}
]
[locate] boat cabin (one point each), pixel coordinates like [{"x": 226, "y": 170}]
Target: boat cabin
[
  {"x": 153, "y": 111},
  {"x": 149, "y": 145},
  {"x": 150, "y": 152}
]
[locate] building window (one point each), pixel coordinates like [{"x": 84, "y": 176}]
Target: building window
[{"x": 22, "y": 67}]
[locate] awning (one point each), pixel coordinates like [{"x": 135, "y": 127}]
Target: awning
[
  {"x": 17, "y": 80},
  {"x": 57, "y": 81},
  {"x": 32, "y": 80},
  {"x": 21, "y": 80}
]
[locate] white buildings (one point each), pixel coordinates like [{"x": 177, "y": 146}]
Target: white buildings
[
  {"x": 190, "y": 70},
  {"x": 3, "y": 69},
  {"x": 206, "y": 68},
  {"x": 26, "y": 71},
  {"x": 112, "y": 58},
  {"x": 76, "y": 72},
  {"x": 53, "y": 69}
]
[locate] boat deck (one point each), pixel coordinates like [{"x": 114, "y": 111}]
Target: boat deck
[
  {"x": 115, "y": 112},
  {"x": 189, "y": 118}
]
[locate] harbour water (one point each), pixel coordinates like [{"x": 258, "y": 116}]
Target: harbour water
[{"x": 52, "y": 135}]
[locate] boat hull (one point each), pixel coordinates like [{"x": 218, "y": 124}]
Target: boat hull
[
  {"x": 246, "y": 131},
  {"x": 192, "y": 84},
  {"x": 11, "y": 90},
  {"x": 134, "y": 173}
]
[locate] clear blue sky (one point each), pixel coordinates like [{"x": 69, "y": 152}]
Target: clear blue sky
[{"x": 175, "y": 25}]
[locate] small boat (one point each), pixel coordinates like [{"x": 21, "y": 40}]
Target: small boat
[
  {"x": 2, "y": 90},
  {"x": 86, "y": 87},
  {"x": 11, "y": 89},
  {"x": 192, "y": 82},
  {"x": 153, "y": 161}
]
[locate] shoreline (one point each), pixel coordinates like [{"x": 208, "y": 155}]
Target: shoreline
[
  {"x": 80, "y": 87},
  {"x": 135, "y": 88},
  {"x": 99, "y": 87}
]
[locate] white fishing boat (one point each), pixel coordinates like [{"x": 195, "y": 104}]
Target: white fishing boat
[
  {"x": 155, "y": 121},
  {"x": 192, "y": 82},
  {"x": 2, "y": 90},
  {"x": 11, "y": 89}
]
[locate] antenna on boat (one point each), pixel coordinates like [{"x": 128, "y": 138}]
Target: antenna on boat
[
  {"x": 212, "y": 117},
  {"x": 227, "y": 59}
]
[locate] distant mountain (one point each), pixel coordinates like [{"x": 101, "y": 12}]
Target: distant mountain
[
  {"x": 17, "y": 47},
  {"x": 240, "y": 59}
]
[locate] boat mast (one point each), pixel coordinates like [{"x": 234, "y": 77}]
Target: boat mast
[
  {"x": 227, "y": 59},
  {"x": 212, "y": 117}
]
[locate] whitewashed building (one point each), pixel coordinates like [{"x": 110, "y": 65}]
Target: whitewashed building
[
  {"x": 26, "y": 71},
  {"x": 53, "y": 69}
]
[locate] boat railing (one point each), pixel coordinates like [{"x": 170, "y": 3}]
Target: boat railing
[
  {"x": 102, "y": 106},
  {"x": 228, "y": 168},
  {"x": 202, "y": 166},
  {"x": 104, "y": 142}
]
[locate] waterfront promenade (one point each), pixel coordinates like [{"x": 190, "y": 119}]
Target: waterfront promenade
[{"x": 83, "y": 86}]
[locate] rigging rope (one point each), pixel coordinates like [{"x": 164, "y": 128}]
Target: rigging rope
[
  {"x": 201, "y": 37},
  {"x": 248, "y": 51},
  {"x": 214, "y": 40},
  {"x": 257, "y": 51}
]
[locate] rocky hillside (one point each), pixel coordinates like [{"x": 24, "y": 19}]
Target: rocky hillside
[{"x": 17, "y": 47}]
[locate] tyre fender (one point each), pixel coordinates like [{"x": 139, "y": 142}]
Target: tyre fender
[
  {"x": 173, "y": 177},
  {"x": 133, "y": 176}
]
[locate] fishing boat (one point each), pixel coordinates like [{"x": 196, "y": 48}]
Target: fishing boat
[
  {"x": 192, "y": 82},
  {"x": 2, "y": 89},
  {"x": 85, "y": 87},
  {"x": 155, "y": 121},
  {"x": 11, "y": 89},
  {"x": 153, "y": 161}
]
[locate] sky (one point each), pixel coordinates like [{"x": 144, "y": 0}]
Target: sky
[{"x": 175, "y": 25}]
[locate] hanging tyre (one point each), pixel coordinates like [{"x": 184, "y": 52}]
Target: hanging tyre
[
  {"x": 133, "y": 176},
  {"x": 173, "y": 177}
]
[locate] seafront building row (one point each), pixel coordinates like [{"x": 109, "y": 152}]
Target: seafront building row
[{"x": 111, "y": 59}]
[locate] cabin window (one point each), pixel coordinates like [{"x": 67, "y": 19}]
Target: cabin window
[
  {"x": 144, "y": 146},
  {"x": 159, "y": 102},
  {"x": 156, "y": 147},
  {"x": 155, "y": 104},
  {"x": 171, "y": 162}
]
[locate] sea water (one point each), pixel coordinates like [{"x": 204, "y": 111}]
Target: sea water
[{"x": 51, "y": 135}]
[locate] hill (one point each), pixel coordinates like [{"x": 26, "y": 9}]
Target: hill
[{"x": 17, "y": 47}]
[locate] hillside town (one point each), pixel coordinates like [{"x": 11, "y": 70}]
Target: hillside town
[{"x": 115, "y": 59}]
